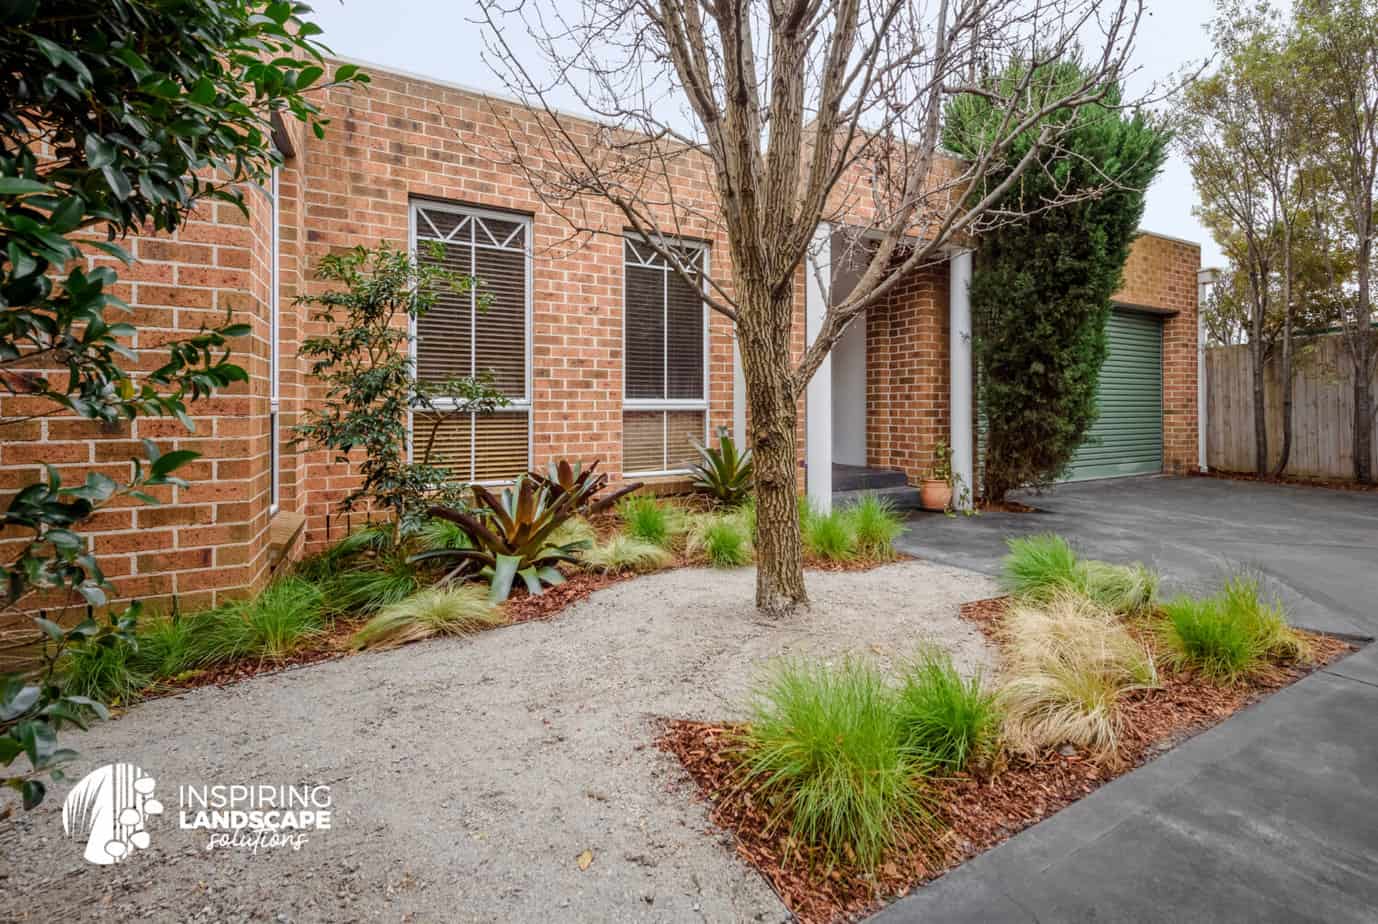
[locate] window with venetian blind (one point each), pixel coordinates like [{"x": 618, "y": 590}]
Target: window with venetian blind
[
  {"x": 665, "y": 397},
  {"x": 483, "y": 331}
]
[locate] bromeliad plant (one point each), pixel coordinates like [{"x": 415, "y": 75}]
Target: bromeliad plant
[
  {"x": 583, "y": 484},
  {"x": 510, "y": 536},
  {"x": 724, "y": 472}
]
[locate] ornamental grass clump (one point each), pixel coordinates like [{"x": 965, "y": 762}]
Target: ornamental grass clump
[
  {"x": 948, "y": 719},
  {"x": 1231, "y": 635},
  {"x": 621, "y": 552},
  {"x": 1069, "y": 663},
  {"x": 829, "y": 536},
  {"x": 723, "y": 540},
  {"x": 826, "y": 745},
  {"x": 106, "y": 673},
  {"x": 874, "y": 526},
  {"x": 435, "y": 611},
  {"x": 270, "y": 626},
  {"x": 1040, "y": 568},
  {"x": 648, "y": 519}
]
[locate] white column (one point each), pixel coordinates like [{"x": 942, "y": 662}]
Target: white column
[
  {"x": 1205, "y": 278},
  {"x": 818, "y": 395},
  {"x": 959, "y": 364}
]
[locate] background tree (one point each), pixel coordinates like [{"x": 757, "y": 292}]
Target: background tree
[
  {"x": 1241, "y": 135},
  {"x": 115, "y": 117},
  {"x": 801, "y": 111},
  {"x": 1337, "y": 68},
  {"x": 370, "y": 379},
  {"x": 1041, "y": 286}
]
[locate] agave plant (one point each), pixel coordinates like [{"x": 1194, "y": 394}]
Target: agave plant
[
  {"x": 724, "y": 472},
  {"x": 509, "y": 536},
  {"x": 564, "y": 477}
]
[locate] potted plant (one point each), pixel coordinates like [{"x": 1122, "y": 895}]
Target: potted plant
[{"x": 935, "y": 492}]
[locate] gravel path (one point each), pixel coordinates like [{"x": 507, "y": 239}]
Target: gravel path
[{"x": 469, "y": 776}]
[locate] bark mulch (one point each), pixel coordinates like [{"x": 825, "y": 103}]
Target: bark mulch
[
  {"x": 1333, "y": 483},
  {"x": 976, "y": 810}
]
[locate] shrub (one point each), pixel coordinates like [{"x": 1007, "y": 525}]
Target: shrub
[
  {"x": 1070, "y": 661},
  {"x": 626, "y": 553},
  {"x": 646, "y": 518},
  {"x": 723, "y": 472},
  {"x": 827, "y": 535},
  {"x": 269, "y": 626},
  {"x": 874, "y": 523},
  {"x": 722, "y": 540},
  {"x": 945, "y": 718},
  {"x": 452, "y": 611},
  {"x": 1039, "y": 568},
  {"x": 826, "y": 744},
  {"x": 1228, "y": 636}
]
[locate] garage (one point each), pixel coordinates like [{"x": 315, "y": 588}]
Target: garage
[{"x": 1127, "y": 437}]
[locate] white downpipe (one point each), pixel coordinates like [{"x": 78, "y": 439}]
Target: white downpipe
[
  {"x": 959, "y": 364},
  {"x": 1204, "y": 279},
  {"x": 818, "y": 395},
  {"x": 738, "y": 396}
]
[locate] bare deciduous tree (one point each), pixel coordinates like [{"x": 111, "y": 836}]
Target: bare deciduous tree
[{"x": 804, "y": 114}]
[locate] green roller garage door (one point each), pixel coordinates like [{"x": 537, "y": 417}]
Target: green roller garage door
[{"x": 1127, "y": 438}]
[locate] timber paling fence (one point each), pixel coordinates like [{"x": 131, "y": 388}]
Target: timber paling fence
[{"x": 1322, "y": 409}]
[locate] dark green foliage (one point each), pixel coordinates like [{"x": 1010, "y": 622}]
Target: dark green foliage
[
  {"x": 509, "y": 536},
  {"x": 115, "y": 117},
  {"x": 724, "y": 472},
  {"x": 1041, "y": 287},
  {"x": 947, "y": 719},
  {"x": 566, "y": 477},
  {"x": 371, "y": 387}
]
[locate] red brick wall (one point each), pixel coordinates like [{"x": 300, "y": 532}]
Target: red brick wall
[{"x": 907, "y": 374}]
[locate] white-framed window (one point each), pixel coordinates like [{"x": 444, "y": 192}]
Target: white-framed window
[
  {"x": 458, "y": 336},
  {"x": 664, "y": 358}
]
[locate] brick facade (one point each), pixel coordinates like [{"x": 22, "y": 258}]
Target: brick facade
[{"x": 404, "y": 139}]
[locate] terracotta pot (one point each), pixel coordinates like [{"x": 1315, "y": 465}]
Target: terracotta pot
[{"x": 935, "y": 495}]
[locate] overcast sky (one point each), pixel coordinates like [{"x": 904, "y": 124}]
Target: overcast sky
[{"x": 435, "y": 38}]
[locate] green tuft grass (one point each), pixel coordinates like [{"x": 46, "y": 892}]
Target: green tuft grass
[
  {"x": 626, "y": 553},
  {"x": 945, "y": 718},
  {"x": 452, "y": 611},
  {"x": 339, "y": 557},
  {"x": 827, "y": 745},
  {"x": 574, "y": 529},
  {"x": 826, "y": 535},
  {"x": 724, "y": 541},
  {"x": 436, "y": 534},
  {"x": 107, "y": 673},
  {"x": 1231, "y": 635},
  {"x": 646, "y": 518},
  {"x": 270, "y": 626},
  {"x": 1043, "y": 567},
  {"x": 875, "y": 525},
  {"x": 170, "y": 647},
  {"x": 368, "y": 588}
]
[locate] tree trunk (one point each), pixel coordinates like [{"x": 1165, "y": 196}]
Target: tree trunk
[
  {"x": 1286, "y": 451},
  {"x": 1363, "y": 351},
  {"x": 1260, "y": 408},
  {"x": 764, "y": 333}
]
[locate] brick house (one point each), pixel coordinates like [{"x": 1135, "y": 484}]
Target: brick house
[{"x": 603, "y": 353}]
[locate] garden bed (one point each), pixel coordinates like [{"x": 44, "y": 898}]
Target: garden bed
[{"x": 976, "y": 809}]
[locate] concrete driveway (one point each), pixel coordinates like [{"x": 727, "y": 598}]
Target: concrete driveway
[
  {"x": 1270, "y": 816},
  {"x": 1317, "y": 548}
]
